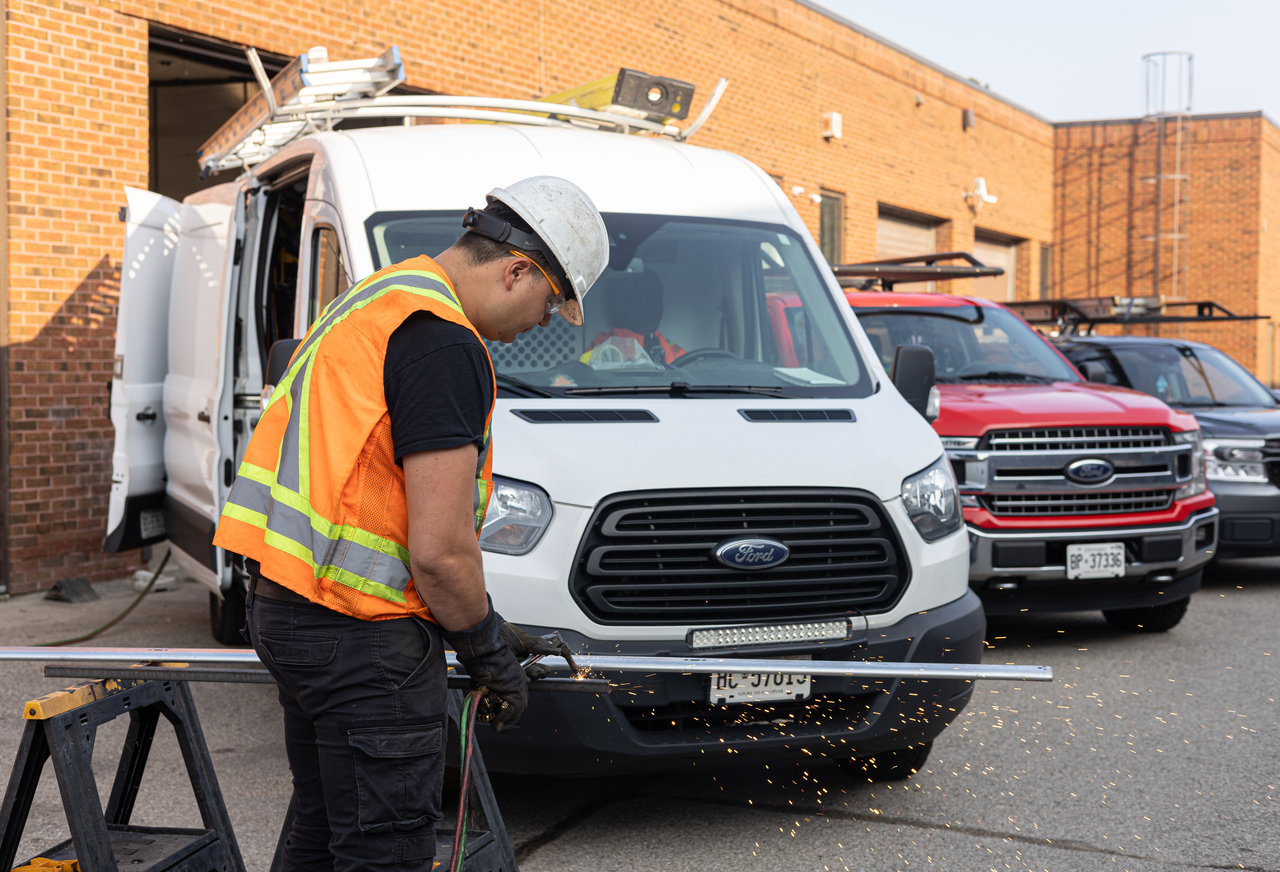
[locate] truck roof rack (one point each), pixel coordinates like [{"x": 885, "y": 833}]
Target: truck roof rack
[
  {"x": 311, "y": 94},
  {"x": 918, "y": 268},
  {"x": 1081, "y": 316}
]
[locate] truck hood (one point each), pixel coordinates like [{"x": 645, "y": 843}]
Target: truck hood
[
  {"x": 1243, "y": 421},
  {"x": 973, "y": 409},
  {"x": 707, "y": 443}
]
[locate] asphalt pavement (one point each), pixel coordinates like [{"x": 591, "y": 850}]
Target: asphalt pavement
[{"x": 1148, "y": 752}]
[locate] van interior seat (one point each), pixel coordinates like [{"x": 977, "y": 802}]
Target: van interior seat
[{"x": 633, "y": 300}]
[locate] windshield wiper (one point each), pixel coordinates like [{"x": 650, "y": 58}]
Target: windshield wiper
[
  {"x": 679, "y": 389},
  {"x": 521, "y": 385},
  {"x": 1000, "y": 374}
]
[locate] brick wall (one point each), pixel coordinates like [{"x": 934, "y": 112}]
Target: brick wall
[
  {"x": 1104, "y": 216},
  {"x": 77, "y": 131},
  {"x": 1269, "y": 256},
  {"x": 78, "y": 134}
]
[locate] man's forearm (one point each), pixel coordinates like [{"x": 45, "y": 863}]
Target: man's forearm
[{"x": 453, "y": 589}]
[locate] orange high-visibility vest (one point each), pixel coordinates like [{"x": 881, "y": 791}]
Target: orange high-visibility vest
[{"x": 319, "y": 500}]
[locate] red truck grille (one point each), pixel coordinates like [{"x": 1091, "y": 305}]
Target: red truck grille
[
  {"x": 1077, "y": 439},
  {"x": 1114, "y": 503}
]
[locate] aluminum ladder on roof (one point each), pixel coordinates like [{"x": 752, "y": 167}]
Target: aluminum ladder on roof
[{"x": 309, "y": 96}]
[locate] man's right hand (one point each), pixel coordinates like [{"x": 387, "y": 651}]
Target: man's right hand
[{"x": 492, "y": 664}]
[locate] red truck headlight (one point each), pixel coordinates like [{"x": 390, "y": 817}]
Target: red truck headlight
[{"x": 1196, "y": 485}]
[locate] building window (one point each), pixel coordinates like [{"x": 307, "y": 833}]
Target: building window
[
  {"x": 777, "y": 179},
  {"x": 996, "y": 250},
  {"x": 1046, "y": 272},
  {"x": 831, "y": 227}
]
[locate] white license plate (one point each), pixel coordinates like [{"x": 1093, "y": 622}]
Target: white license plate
[
  {"x": 1098, "y": 560},
  {"x": 732, "y": 687}
]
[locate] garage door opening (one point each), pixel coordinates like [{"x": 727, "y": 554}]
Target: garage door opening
[{"x": 196, "y": 84}]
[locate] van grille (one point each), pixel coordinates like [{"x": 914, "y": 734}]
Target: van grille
[
  {"x": 1077, "y": 439},
  {"x": 647, "y": 557},
  {"x": 1116, "y": 503}
]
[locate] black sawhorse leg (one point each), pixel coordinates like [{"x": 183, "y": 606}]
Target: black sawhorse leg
[{"x": 63, "y": 726}]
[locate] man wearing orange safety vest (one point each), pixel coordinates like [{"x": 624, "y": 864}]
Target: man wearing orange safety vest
[{"x": 357, "y": 509}]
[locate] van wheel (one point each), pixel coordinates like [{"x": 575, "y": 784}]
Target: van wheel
[
  {"x": 226, "y": 615},
  {"x": 896, "y": 765},
  {"x": 1152, "y": 619}
]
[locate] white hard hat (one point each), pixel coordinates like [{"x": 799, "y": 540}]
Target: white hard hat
[{"x": 567, "y": 225}]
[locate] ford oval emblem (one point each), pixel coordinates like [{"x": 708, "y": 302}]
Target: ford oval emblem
[
  {"x": 752, "y": 553},
  {"x": 1091, "y": 470}
]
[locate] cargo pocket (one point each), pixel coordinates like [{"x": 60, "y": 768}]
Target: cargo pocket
[
  {"x": 399, "y": 773},
  {"x": 300, "y": 648}
]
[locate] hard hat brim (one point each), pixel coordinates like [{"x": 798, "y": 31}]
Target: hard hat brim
[{"x": 571, "y": 311}]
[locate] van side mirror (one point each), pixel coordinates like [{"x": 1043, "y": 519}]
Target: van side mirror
[
  {"x": 914, "y": 377},
  {"x": 1094, "y": 372}
]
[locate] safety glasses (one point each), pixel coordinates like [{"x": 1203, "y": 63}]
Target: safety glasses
[{"x": 556, "y": 303}]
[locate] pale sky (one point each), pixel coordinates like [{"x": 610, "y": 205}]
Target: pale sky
[{"x": 1069, "y": 61}]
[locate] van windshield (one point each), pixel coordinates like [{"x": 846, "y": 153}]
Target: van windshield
[
  {"x": 970, "y": 343},
  {"x": 686, "y": 306}
]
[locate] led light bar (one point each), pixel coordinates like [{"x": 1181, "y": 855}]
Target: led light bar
[{"x": 732, "y": 637}]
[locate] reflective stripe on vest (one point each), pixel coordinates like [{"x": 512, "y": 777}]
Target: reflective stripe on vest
[{"x": 279, "y": 503}]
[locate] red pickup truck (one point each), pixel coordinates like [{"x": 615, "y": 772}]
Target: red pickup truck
[{"x": 1077, "y": 496}]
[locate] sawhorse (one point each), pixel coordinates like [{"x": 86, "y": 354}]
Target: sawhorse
[
  {"x": 65, "y": 723},
  {"x": 63, "y": 727}
]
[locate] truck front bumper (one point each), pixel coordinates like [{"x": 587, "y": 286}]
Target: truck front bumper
[
  {"x": 1250, "y": 518},
  {"x": 1027, "y": 572},
  {"x": 664, "y": 721}
]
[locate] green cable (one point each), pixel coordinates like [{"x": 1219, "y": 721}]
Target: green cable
[
  {"x": 118, "y": 618},
  {"x": 466, "y": 738}
]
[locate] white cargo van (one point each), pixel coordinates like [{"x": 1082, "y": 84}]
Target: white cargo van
[{"x": 752, "y": 483}]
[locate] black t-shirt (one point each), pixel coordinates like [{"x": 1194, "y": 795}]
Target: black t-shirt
[{"x": 438, "y": 385}]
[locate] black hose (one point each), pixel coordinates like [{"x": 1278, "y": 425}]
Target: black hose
[{"x": 118, "y": 618}]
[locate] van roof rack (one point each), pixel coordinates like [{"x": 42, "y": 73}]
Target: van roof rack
[
  {"x": 918, "y": 268},
  {"x": 311, "y": 94},
  {"x": 1080, "y": 316}
]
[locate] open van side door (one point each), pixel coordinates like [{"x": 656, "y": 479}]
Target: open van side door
[
  {"x": 135, "y": 511},
  {"x": 197, "y": 414}
]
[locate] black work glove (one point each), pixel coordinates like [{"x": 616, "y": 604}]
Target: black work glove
[
  {"x": 492, "y": 664},
  {"x": 526, "y": 645}
]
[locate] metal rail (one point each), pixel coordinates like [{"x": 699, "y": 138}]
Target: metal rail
[{"x": 591, "y": 662}]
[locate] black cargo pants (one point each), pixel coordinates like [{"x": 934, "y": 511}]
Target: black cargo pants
[{"x": 364, "y": 726}]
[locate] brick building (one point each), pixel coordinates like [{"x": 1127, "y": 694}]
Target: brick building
[
  {"x": 101, "y": 94},
  {"x": 1217, "y": 247}
]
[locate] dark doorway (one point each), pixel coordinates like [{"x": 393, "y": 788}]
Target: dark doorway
[{"x": 196, "y": 84}]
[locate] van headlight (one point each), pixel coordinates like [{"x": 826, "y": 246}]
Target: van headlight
[
  {"x": 933, "y": 501},
  {"x": 517, "y": 516},
  {"x": 1196, "y": 485},
  {"x": 1235, "y": 460}
]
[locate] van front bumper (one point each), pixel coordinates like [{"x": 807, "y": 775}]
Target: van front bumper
[
  {"x": 1027, "y": 572},
  {"x": 664, "y": 721}
]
